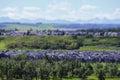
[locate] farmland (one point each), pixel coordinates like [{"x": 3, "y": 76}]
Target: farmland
[{"x": 59, "y": 42}]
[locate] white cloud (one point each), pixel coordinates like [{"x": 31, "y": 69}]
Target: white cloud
[
  {"x": 113, "y": 15},
  {"x": 85, "y": 12},
  {"x": 25, "y": 12},
  {"x": 116, "y": 13},
  {"x": 13, "y": 15},
  {"x": 31, "y": 8},
  {"x": 87, "y": 7},
  {"x": 9, "y": 9},
  {"x": 31, "y": 12},
  {"x": 59, "y": 11}
]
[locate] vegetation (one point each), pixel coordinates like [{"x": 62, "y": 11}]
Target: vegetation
[
  {"x": 46, "y": 68},
  {"x": 43, "y": 26},
  {"x": 60, "y": 42},
  {"x": 44, "y": 42},
  {"x": 30, "y": 26},
  {"x": 20, "y": 67}
]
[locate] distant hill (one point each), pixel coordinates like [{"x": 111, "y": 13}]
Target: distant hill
[
  {"x": 42, "y": 24},
  {"x": 92, "y": 21}
]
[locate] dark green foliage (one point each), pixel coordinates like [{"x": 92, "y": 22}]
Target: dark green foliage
[
  {"x": 44, "y": 69},
  {"x": 20, "y": 57},
  {"x": 45, "y": 42}
]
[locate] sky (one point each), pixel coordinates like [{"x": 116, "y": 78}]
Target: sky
[{"x": 60, "y": 9}]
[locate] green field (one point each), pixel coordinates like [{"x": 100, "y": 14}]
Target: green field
[
  {"x": 59, "y": 42},
  {"x": 28, "y": 27},
  {"x": 101, "y": 43}
]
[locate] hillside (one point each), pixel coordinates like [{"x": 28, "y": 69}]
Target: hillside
[{"x": 43, "y": 26}]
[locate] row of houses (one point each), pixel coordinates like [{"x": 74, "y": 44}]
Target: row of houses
[
  {"x": 57, "y": 32},
  {"x": 71, "y": 54}
]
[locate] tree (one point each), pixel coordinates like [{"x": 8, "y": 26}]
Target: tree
[
  {"x": 112, "y": 69},
  {"x": 29, "y": 71},
  {"x": 84, "y": 71},
  {"x": 20, "y": 57},
  {"x": 100, "y": 71}
]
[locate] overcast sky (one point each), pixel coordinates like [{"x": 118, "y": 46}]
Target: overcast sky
[{"x": 60, "y": 9}]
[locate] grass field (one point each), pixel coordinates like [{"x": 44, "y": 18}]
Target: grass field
[
  {"x": 99, "y": 48},
  {"x": 96, "y": 43},
  {"x": 101, "y": 43},
  {"x": 27, "y": 27}
]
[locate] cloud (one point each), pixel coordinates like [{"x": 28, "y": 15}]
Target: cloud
[
  {"x": 84, "y": 12},
  {"x": 31, "y": 8},
  {"x": 59, "y": 11},
  {"x": 87, "y": 7},
  {"x": 9, "y": 9},
  {"x": 22, "y": 13},
  {"x": 113, "y": 15},
  {"x": 31, "y": 12},
  {"x": 116, "y": 13},
  {"x": 60, "y": 6}
]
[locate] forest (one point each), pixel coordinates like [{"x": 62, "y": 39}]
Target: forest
[{"x": 47, "y": 68}]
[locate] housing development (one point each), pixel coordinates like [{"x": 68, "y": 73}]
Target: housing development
[{"x": 58, "y": 32}]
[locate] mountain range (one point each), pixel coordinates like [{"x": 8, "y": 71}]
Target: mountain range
[{"x": 92, "y": 21}]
